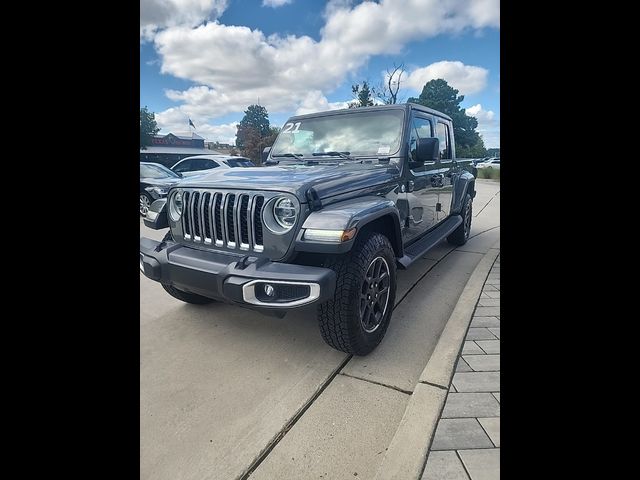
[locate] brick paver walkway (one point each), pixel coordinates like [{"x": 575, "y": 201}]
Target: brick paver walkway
[{"x": 466, "y": 445}]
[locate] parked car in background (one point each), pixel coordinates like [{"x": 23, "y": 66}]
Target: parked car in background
[
  {"x": 195, "y": 165},
  {"x": 492, "y": 162},
  {"x": 155, "y": 181}
]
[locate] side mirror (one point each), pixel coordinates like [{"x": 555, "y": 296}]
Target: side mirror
[
  {"x": 265, "y": 154},
  {"x": 428, "y": 149}
]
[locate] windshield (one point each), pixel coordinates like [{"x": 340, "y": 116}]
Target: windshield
[
  {"x": 240, "y": 162},
  {"x": 156, "y": 171},
  {"x": 359, "y": 133}
]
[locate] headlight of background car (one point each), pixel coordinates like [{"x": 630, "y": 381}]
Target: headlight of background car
[
  {"x": 285, "y": 212},
  {"x": 175, "y": 206},
  {"x": 159, "y": 190}
]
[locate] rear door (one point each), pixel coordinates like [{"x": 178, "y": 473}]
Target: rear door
[
  {"x": 445, "y": 171},
  {"x": 421, "y": 194}
]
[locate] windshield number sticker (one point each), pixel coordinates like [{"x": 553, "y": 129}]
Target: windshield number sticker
[{"x": 291, "y": 127}]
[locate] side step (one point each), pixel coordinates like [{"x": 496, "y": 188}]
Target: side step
[{"x": 430, "y": 240}]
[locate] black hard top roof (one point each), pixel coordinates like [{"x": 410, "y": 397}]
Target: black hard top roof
[{"x": 398, "y": 106}]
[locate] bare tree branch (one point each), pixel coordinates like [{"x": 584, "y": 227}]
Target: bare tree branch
[{"x": 388, "y": 90}]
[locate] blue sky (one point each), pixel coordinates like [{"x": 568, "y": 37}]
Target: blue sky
[{"x": 209, "y": 59}]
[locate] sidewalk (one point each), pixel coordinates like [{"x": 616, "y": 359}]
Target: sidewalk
[{"x": 466, "y": 444}]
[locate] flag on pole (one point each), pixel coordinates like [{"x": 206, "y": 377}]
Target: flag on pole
[{"x": 191, "y": 124}]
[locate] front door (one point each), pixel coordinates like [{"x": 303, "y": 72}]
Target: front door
[{"x": 422, "y": 182}]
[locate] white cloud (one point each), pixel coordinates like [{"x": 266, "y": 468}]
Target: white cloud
[
  {"x": 234, "y": 65},
  {"x": 465, "y": 78},
  {"x": 155, "y": 14},
  {"x": 275, "y": 3},
  {"x": 488, "y": 125},
  {"x": 315, "y": 101}
]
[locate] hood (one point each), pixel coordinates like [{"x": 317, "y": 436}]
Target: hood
[
  {"x": 160, "y": 182},
  {"x": 327, "y": 180}
]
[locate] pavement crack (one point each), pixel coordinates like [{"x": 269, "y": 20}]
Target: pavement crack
[
  {"x": 484, "y": 231},
  {"x": 485, "y": 205},
  {"x": 434, "y": 385},
  {"x": 289, "y": 425},
  {"x": 398, "y": 389},
  {"x": 421, "y": 277}
]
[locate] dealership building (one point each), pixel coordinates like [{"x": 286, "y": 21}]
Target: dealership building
[{"x": 170, "y": 148}]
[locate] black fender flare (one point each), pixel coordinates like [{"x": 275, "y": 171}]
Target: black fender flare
[
  {"x": 464, "y": 183},
  {"x": 354, "y": 213}
]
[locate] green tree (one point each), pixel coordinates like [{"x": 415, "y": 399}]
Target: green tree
[
  {"x": 437, "y": 94},
  {"x": 148, "y": 127},
  {"x": 254, "y": 144},
  {"x": 255, "y": 118},
  {"x": 362, "y": 94}
]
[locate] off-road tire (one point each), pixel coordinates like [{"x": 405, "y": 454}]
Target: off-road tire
[
  {"x": 461, "y": 234},
  {"x": 340, "y": 318}
]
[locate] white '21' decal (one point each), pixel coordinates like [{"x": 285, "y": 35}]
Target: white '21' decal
[{"x": 291, "y": 127}]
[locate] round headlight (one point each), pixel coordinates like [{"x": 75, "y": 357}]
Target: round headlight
[
  {"x": 285, "y": 212},
  {"x": 175, "y": 206}
]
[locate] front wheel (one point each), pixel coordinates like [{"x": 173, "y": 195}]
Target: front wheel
[
  {"x": 145, "y": 203},
  {"x": 357, "y": 317}
]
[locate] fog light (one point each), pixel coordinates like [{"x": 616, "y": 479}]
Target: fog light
[{"x": 269, "y": 290}]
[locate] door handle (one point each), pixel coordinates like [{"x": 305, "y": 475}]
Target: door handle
[
  {"x": 437, "y": 180},
  {"x": 429, "y": 163}
]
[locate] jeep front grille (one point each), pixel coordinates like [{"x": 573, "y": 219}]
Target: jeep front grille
[{"x": 223, "y": 219}]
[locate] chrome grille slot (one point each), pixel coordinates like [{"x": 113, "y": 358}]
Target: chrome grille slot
[
  {"x": 230, "y": 220},
  {"x": 206, "y": 218},
  {"x": 243, "y": 224},
  {"x": 195, "y": 217},
  {"x": 186, "y": 224},
  {"x": 218, "y": 204},
  {"x": 256, "y": 209}
]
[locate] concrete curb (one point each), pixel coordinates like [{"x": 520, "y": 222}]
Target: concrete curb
[{"x": 407, "y": 453}]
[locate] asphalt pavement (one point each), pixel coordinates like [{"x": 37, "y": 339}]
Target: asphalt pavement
[{"x": 229, "y": 393}]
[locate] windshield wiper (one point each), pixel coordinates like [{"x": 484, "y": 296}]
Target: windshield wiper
[
  {"x": 297, "y": 156},
  {"x": 334, "y": 154}
]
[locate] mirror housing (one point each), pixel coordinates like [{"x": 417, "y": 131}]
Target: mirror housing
[
  {"x": 265, "y": 154},
  {"x": 428, "y": 149}
]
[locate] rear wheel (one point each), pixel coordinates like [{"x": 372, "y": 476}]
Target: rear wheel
[
  {"x": 357, "y": 317},
  {"x": 461, "y": 234}
]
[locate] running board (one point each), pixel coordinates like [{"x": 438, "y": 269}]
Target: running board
[{"x": 430, "y": 240}]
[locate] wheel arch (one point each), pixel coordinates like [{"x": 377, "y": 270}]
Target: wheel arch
[{"x": 466, "y": 183}]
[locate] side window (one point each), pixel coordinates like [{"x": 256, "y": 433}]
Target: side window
[
  {"x": 420, "y": 128},
  {"x": 184, "y": 166},
  {"x": 442, "y": 130}
]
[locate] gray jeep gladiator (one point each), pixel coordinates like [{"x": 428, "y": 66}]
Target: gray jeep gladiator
[{"x": 345, "y": 198}]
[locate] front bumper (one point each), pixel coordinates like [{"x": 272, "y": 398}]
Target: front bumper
[{"x": 235, "y": 278}]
